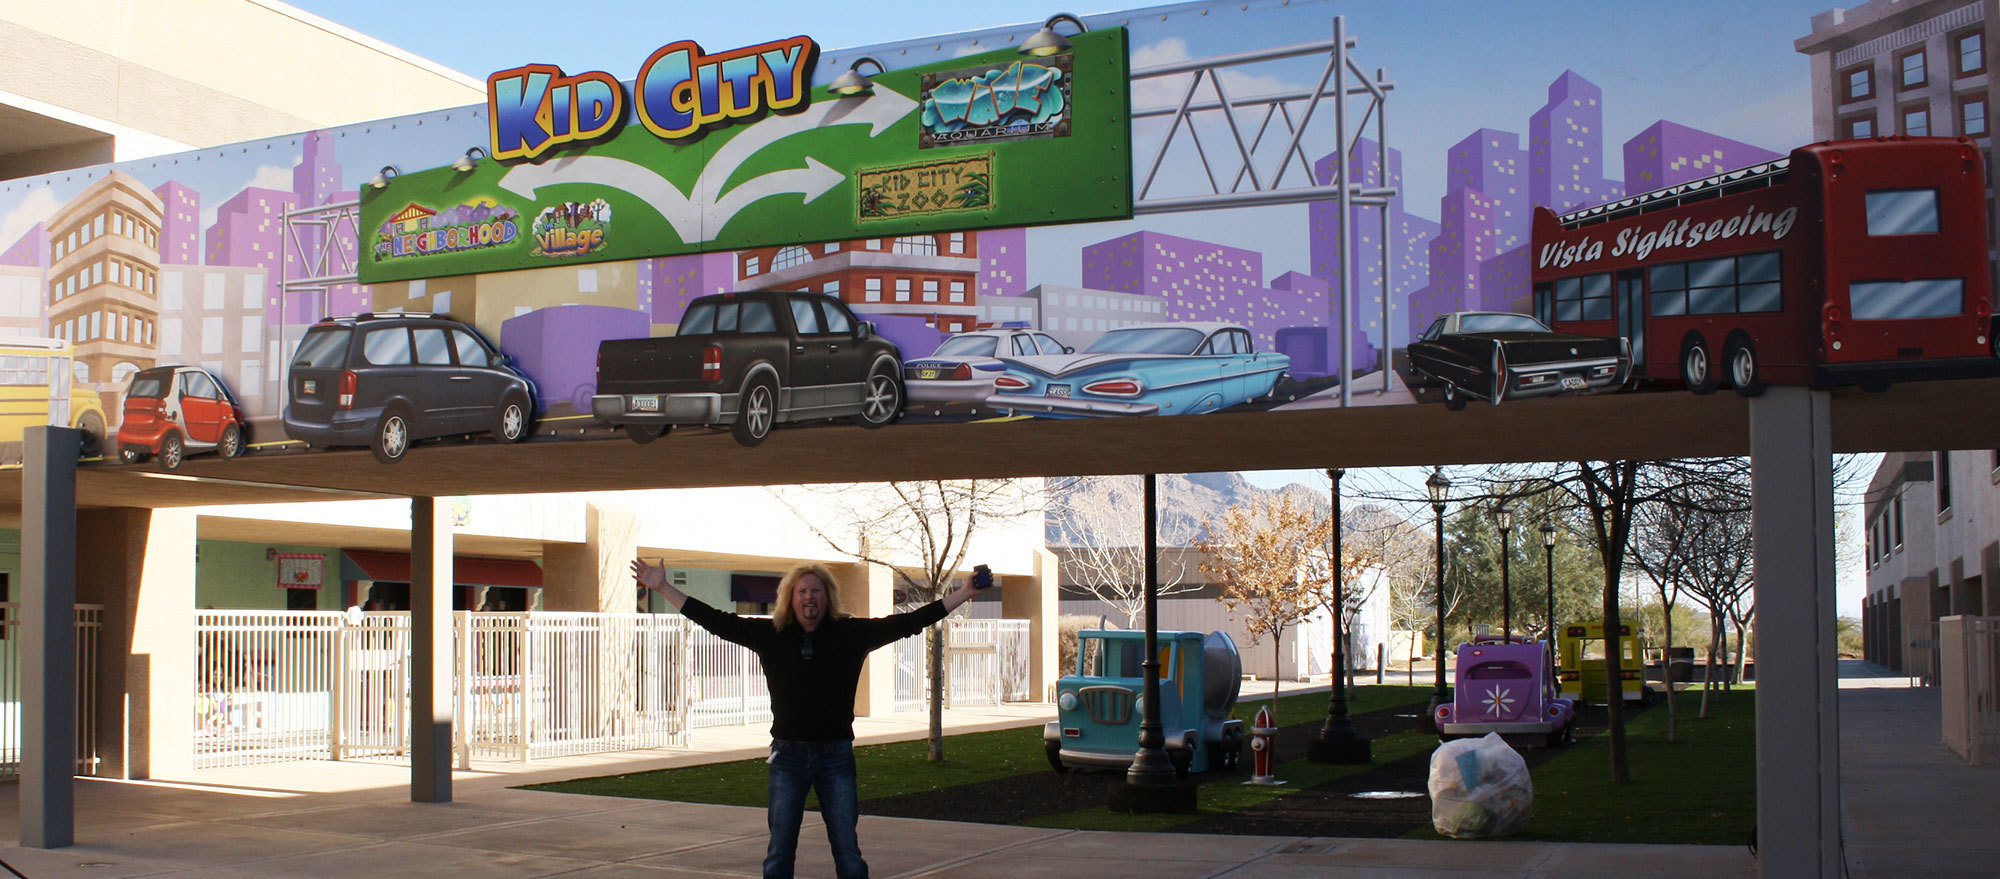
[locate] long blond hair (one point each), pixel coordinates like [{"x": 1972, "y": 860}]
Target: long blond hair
[{"x": 781, "y": 614}]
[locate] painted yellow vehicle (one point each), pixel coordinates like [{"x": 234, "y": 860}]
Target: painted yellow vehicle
[
  {"x": 38, "y": 386},
  {"x": 1582, "y": 674}
]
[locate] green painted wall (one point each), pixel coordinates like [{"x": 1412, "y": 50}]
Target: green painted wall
[{"x": 238, "y": 576}]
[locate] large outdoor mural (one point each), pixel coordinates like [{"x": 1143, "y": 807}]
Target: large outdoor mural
[{"x": 1573, "y": 228}]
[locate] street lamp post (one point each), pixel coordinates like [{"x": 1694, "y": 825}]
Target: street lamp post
[
  {"x": 1549, "y": 568},
  {"x": 1337, "y": 741},
  {"x": 1504, "y": 517},
  {"x": 1152, "y": 784},
  {"x": 1438, "y": 486}
]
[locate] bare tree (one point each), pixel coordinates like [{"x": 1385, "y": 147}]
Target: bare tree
[
  {"x": 931, "y": 521},
  {"x": 1663, "y": 548},
  {"x": 1098, "y": 522},
  {"x": 1262, "y": 554}
]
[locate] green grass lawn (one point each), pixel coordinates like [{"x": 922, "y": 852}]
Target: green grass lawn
[
  {"x": 1700, "y": 789},
  {"x": 900, "y": 768}
]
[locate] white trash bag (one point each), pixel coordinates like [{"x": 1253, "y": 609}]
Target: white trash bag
[{"x": 1479, "y": 789}]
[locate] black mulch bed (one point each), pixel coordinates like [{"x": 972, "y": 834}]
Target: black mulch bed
[{"x": 1324, "y": 810}]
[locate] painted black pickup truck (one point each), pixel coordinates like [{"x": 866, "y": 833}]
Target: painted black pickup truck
[{"x": 749, "y": 361}]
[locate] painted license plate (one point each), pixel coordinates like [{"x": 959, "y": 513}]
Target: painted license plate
[
  {"x": 310, "y": 387},
  {"x": 1572, "y": 383},
  {"x": 927, "y": 373},
  {"x": 645, "y": 402},
  {"x": 1058, "y": 390}
]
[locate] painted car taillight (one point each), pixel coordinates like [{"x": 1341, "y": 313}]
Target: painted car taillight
[
  {"x": 350, "y": 383},
  {"x": 1010, "y": 383},
  {"x": 711, "y": 363},
  {"x": 1831, "y": 325},
  {"x": 1115, "y": 387},
  {"x": 961, "y": 372}
]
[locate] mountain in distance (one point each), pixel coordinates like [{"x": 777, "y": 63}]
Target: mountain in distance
[{"x": 1184, "y": 500}]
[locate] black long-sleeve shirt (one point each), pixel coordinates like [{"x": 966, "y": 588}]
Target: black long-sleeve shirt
[{"x": 812, "y": 687}]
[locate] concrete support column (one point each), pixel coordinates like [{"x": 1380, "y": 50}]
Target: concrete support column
[
  {"x": 1034, "y": 599},
  {"x": 1798, "y": 731},
  {"x": 430, "y": 651},
  {"x": 140, "y": 565},
  {"x": 596, "y": 576},
  {"x": 870, "y": 591},
  {"x": 48, "y": 637}
]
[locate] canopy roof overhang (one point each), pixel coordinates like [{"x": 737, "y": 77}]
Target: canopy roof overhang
[{"x": 1665, "y": 424}]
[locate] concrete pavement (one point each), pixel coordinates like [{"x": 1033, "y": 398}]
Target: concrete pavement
[{"x": 353, "y": 818}]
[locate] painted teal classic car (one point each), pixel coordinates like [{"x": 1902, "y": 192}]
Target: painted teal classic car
[
  {"x": 1143, "y": 369},
  {"x": 1099, "y": 706}
]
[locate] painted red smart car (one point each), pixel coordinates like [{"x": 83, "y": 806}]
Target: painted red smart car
[{"x": 175, "y": 411}]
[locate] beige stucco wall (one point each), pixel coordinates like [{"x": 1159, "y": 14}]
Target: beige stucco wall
[{"x": 206, "y": 72}]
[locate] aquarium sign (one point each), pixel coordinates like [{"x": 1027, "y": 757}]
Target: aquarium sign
[
  {"x": 681, "y": 92},
  {"x": 1015, "y": 100}
]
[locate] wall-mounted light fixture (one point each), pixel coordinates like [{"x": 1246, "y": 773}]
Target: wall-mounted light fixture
[
  {"x": 854, "y": 82},
  {"x": 382, "y": 177},
  {"x": 468, "y": 161},
  {"x": 1046, "y": 41}
]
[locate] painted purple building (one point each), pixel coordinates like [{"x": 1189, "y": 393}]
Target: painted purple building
[
  {"x": 1003, "y": 262},
  {"x": 32, "y": 250},
  {"x": 1491, "y": 162},
  {"x": 1566, "y": 147},
  {"x": 249, "y": 231},
  {"x": 180, "y": 224},
  {"x": 1465, "y": 239},
  {"x": 1409, "y": 239},
  {"x": 1669, "y": 154},
  {"x": 668, "y": 283},
  {"x": 1201, "y": 281},
  {"x": 544, "y": 343},
  {"x": 1315, "y": 349}
]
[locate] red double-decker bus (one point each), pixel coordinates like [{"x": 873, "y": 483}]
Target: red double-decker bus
[{"x": 1849, "y": 262}]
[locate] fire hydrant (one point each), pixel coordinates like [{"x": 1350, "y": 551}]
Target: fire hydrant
[{"x": 1263, "y": 745}]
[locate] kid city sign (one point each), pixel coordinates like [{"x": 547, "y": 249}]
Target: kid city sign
[
  {"x": 680, "y": 92},
  {"x": 724, "y": 151}
]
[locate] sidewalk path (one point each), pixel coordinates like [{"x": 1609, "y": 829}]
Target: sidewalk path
[{"x": 1909, "y": 806}]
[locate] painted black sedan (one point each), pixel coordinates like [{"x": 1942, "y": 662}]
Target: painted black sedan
[{"x": 1498, "y": 355}]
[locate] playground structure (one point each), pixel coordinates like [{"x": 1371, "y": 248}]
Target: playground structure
[
  {"x": 1582, "y": 664},
  {"x": 1507, "y": 687},
  {"x": 1099, "y": 712}
]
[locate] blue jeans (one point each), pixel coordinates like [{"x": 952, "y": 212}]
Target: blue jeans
[{"x": 828, "y": 768}]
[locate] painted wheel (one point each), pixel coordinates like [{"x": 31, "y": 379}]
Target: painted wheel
[
  {"x": 231, "y": 445},
  {"x": 92, "y": 426},
  {"x": 1055, "y": 756},
  {"x": 1499, "y": 374},
  {"x": 1694, "y": 367},
  {"x": 392, "y": 437},
  {"x": 646, "y": 433},
  {"x": 170, "y": 452},
  {"x": 1743, "y": 375},
  {"x": 755, "y": 412},
  {"x": 881, "y": 401},
  {"x": 511, "y": 424},
  {"x": 1454, "y": 399}
]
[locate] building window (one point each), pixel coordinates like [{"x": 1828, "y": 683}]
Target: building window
[
  {"x": 930, "y": 290},
  {"x": 833, "y": 247},
  {"x": 1972, "y": 116},
  {"x": 922, "y": 244},
  {"x": 958, "y": 242},
  {"x": 1969, "y": 51},
  {"x": 958, "y": 291},
  {"x": 1857, "y": 84},
  {"x": 1910, "y": 69},
  {"x": 1897, "y": 522},
  {"x": 871, "y": 289},
  {"x": 874, "y": 244},
  {"x": 902, "y": 289},
  {"x": 1944, "y": 482},
  {"x": 751, "y": 266},
  {"x": 1917, "y": 120},
  {"x": 830, "y": 288},
  {"x": 790, "y": 256}
]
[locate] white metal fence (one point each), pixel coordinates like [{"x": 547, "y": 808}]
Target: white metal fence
[
  {"x": 1969, "y": 685},
  {"x": 284, "y": 685},
  {"x": 88, "y": 624}
]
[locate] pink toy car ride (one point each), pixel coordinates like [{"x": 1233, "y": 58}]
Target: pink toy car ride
[{"x": 1508, "y": 688}]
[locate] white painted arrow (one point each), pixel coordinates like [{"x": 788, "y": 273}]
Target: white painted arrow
[
  {"x": 878, "y": 111},
  {"x": 642, "y": 182},
  {"x": 811, "y": 181}
]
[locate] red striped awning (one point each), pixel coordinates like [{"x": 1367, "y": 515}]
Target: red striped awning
[{"x": 394, "y": 567}]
